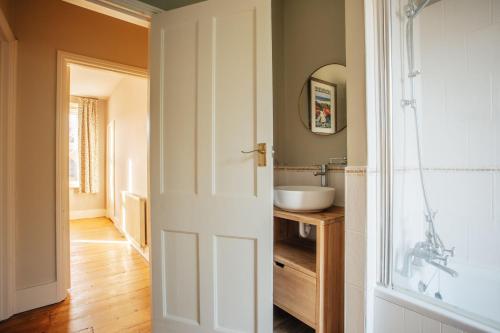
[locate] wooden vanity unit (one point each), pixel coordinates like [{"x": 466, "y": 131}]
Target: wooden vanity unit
[{"x": 309, "y": 274}]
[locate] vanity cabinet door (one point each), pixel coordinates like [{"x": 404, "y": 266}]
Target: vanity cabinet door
[{"x": 295, "y": 292}]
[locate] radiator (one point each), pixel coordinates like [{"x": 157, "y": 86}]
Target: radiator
[{"x": 134, "y": 217}]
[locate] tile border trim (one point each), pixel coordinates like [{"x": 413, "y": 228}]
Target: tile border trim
[{"x": 356, "y": 170}]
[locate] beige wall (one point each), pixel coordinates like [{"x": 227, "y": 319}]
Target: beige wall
[
  {"x": 93, "y": 201},
  {"x": 128, "y": 109},
  {"x": 307, "y": 35},
  {"x": 42, "y": 28},
  {"x": 356, "y": 83}
]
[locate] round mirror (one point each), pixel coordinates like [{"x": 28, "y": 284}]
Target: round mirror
[{"x": 322, "y": 100}]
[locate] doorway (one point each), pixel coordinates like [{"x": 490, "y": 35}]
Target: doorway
[{"x": 102, "y": 223}]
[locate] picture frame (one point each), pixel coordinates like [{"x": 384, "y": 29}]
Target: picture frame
[{"x": 322, "y": 106}]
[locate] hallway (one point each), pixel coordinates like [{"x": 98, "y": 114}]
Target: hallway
[{"x": 110, "y": 287}]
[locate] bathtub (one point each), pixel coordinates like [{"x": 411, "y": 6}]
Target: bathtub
[{"x": 474, "y": 294}]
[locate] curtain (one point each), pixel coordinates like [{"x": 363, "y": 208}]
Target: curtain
[{"x": 87, "y": 119}]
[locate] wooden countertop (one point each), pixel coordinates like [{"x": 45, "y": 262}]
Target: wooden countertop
[{"x": 333, "y": 214}]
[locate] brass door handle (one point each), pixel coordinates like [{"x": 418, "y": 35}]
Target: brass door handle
[
  {"x": 261, "y": 150},
  {"x": 253, "y": 151}
]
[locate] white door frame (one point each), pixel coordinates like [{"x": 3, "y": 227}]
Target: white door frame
[
  {"x": 64, "y": 59},
  {"x": 110, "y": 172},
  {"x": 8, "y": 74}
]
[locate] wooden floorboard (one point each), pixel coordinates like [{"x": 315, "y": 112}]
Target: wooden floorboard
[{"x": 110, "y": 287}]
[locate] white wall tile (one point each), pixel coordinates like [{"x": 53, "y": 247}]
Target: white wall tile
[
  {"x": 389, "y": 318},
  {"x": 496, "y": 197},
  {"x": 465, "y": 204},
  {"x": 459, "y": 51},
  {"x": 446, "y": 195},
  {"x": 355, "y": 258},
  {"x": 496, "y": 112},
  {"x": 449, "y": 329},
  {"x": 412, "y": 322},
  {"x": 470, "y": 193},
  {"x": 484, "y": 243},
  {"x": 482, "y": 144},
  {"x": 355, "y": 202},
  {"x": 354, "y": 316},
  {"x": 408, "y": 211},
  {"x": 355, "y": 255},
  {"x": 430, "y": 325}
]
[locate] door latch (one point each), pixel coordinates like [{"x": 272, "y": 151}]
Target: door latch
[{"x": 261, "y": 151}]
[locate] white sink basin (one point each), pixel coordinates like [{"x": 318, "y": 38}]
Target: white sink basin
[{"x": 303, "y": 198}]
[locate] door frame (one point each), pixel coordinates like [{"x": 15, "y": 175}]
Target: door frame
[
  {"x": 8, "y": 76},
  {"x": 110, "y": 172},
  {"x": 64, "y": 60}
]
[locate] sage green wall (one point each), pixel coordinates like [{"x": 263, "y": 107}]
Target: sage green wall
[
  {"x": 306, "y": 35},
  {"x": 170, "y": 4}
]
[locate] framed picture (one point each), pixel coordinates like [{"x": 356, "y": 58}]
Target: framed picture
[{"x": 323, "y": 106}]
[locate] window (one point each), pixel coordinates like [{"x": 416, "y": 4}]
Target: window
[{"x": 74, "y": 151}]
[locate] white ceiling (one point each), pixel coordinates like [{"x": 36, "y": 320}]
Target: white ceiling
[{"x": 92, "y": 82}]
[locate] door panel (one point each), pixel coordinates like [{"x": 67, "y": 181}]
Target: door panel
[
  {"x": 211, "y": 205},
  {"x": 234, "y": 107},
  {"x": 180, "y": 276},
  {"x": 235, "y": 267},
  {"x": 180, "y": 97}
]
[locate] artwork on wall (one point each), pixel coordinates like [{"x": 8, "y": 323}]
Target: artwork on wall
[{"x": 323, "y": 106}]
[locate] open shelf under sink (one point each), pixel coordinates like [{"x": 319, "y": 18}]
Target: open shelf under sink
[{"x": 299, "y": 256}]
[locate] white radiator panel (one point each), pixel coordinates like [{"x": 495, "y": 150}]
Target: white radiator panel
[{"x": 134, "y": 217}]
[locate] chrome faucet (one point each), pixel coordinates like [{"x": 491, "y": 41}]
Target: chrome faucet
[
  {"x": 428, "y": 252},
  {"x": 323, "y": 173}
]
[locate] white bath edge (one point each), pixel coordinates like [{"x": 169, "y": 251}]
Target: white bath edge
[{"x": 432, "y": 311}]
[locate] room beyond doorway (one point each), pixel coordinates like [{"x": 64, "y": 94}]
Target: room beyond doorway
[{"x": 102, "y": 93}]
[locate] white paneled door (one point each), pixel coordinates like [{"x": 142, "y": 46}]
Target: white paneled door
[{"x": 211, "y": 204}]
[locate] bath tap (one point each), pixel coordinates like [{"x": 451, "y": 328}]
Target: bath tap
[
  {"x": 446, "y": 269},
  {"x": 430, "y": 253}
]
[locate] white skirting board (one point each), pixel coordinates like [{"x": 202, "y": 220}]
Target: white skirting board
[
  {"x": 87, "y": 214},
  {"x": 143, "y": 251},
  {"x": 35, "y": 297}
]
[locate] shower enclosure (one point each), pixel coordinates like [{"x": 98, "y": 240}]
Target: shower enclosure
[{"x": 445, "y": 74}]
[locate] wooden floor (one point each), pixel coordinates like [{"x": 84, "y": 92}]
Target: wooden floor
[
  {"x": 285, "y": 323},
  {"x": 110, "y": 287}
]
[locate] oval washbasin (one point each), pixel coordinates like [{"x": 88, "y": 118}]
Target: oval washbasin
[{"x": 303, "y": 198}]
